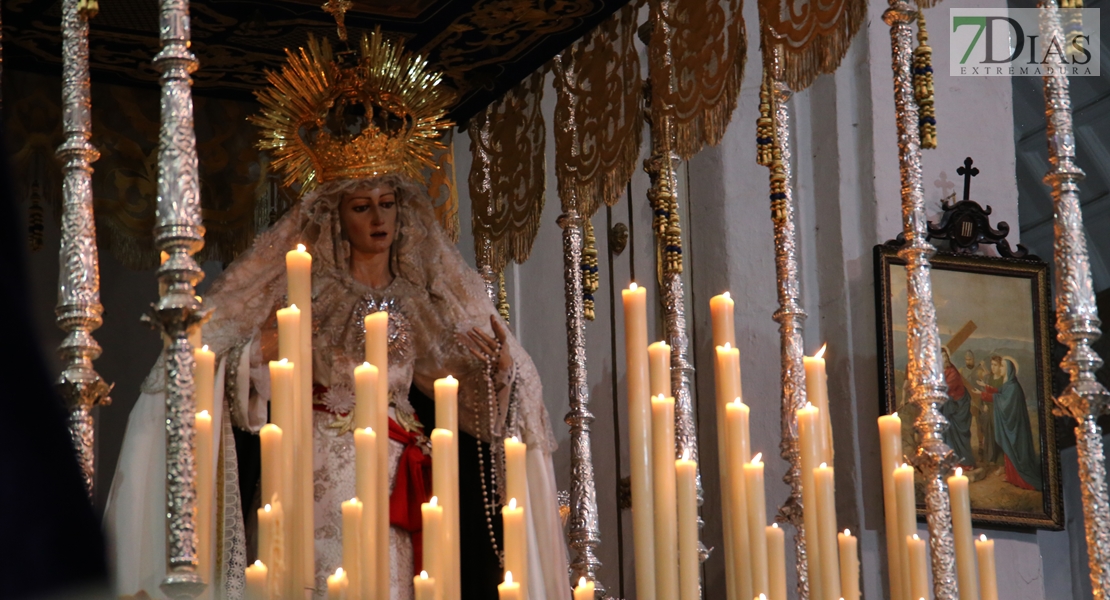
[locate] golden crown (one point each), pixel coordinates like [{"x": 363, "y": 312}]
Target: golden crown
[{"x": 382, "y": 112}]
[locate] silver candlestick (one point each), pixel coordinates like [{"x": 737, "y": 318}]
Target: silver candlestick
[
  {"x": 934, "y": 459},
  {"x": 179, "y": 233},
  {"x": 1077, "y": 322},
  {"x": 79, "y": 310}
]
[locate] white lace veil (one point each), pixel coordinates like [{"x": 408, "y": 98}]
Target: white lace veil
[{"x": 450, "y": 298}]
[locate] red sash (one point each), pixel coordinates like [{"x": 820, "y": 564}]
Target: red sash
[{"x": 410, "y": 490}]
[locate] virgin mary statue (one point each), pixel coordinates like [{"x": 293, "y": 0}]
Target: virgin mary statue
[{"x": 354, "y": 130}]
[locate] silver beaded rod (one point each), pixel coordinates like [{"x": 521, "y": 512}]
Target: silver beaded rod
[
  {"x": 790, "y": 316},
  {"x": 1077, "y": 322},
  {"x": 79, "y": 310},
  {"x": 179, "y": 233},
  {"x": 934, "y": 459}
]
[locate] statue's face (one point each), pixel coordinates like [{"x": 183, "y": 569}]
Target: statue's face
[{"x": 369, "y": 218}]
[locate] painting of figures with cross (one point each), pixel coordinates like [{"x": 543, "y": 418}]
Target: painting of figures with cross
[{"x": 992, "y": 318}]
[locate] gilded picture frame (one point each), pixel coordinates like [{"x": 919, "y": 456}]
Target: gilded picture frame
[{"x": 994, "y": 318}]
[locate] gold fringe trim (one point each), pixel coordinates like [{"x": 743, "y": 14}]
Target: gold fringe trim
[
  {"x": 502, "y": 297},
  {"x": 923, "y": 86},
  {"x": 820, "y": 54},
  {"x": 590, "y": 282}
]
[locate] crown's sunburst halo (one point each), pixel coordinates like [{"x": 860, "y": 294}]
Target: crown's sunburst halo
[{"x": 323, "y": 121}]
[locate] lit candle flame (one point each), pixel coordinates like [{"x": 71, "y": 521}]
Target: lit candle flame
[
  {"x": 959, "y": 471},
  {"x": 758, "y": 458},
  {"x": 258, "y": 563},
  {"x": 810, "y": 406},
  {"x": 508, "y": 576},
  {"x": 450, "y": 379},
  {"x": 821, "y": 352},
  {"x": 294, "y": 307},
  {"x": 339, "y": 572},
  {"x": 847, "y": 533},
  {"x": 823, "y": 465},
  {"x": 512, "y": 503},
  {"x": 686, "y": 454},
  {"x": 204, "y": 414},
  {"x": 915, "y": 538},
  {"x": 266, "y": 508},
  {"x": 434, "y": 501},
  {"x": 423, "y": 574},
  {"x": 284, "y": 361},
  {"x": 775, "y": 525},
  {"x": 982, "y": 537},
  {"x": 353, "y": 500},
  {"x": 633, "y": 287},
  {"x": 515, "y": 439},
  {"x": 727, "y": 295},
  {"x": 581, "y": 582},
  {"x": 737, "y": 401},
  {"x": 204, "y": 347},
  {"x": 300, "y": 248},
  {"x": 727, "y": 346}
]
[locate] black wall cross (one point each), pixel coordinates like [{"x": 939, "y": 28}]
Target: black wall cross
[
  {"x": 966, "y": 224},
  {"x": 968, "y": 172}
]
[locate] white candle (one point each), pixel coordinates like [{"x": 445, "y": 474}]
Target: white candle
[
  {"x": 738, "y": 448},
  {"x": 809, "y": 446},
  {"x": 272, "y": 464},
  {"x": 352, "y": 551},
  {"x": 907, "y": 521},
  {"x": 721, "y": 309},
  {"x": 205, "y": 494},
  {"x": 444, "y": 477},
  {"x": 988, "y": 578},
  {"x": 817, "y": 393},
  {"x": 964, "y": 539},
  {"x": 510, "y": 590},
  {"x": 776, "y": 562},
  {"x": 689, "y": 565},
  {"x": 366, "y": 490},
  {"x": 447, "y": 418},
  {"x": 447, "y": 404},
  {"x": 337, "y": 585},
  {"x": 757, "y": 521},
  {"x": 639, "y": 433},
  {"x": 432, "y": 515},
  {"x": 288, "y": 414},
  {"x": 516, "y": 539},
  {"x": 849, "y": 565},
  {"x": 516, "y": 476},
  {"x": 919, "y": 567},
  {"x": 659, "y": 371},
  {"x": 666, "y": 510},
  {"x": 257, "y": 582},
  {"x": 424, "y": 587},
  {"x": 366, "y": 395},
  {"x": 890, "y": 445},
  {"x": 824, "y": 482},
  {"x": 204, "y": 378},
  {"x": 266, "y": 537},
  {"x": 377, "y": 354},
  {"x": 728, "y": 390},
  {"x": 584, "y": 590}
]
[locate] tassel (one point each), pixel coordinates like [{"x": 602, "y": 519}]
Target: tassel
[
  {"x": 923, "y": 85},
  {"x": 765, "y": 125},
  {"x": 589, "y": 270},
  {"x": 502, "y": 297},
  {"x": 88, "y": 8},
  {"x": 1072, "y": 21},
  {"x": 35, "y": 219}
]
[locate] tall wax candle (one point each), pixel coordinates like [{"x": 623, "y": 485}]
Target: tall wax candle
[
  {"x": 516, "y": 540},
  {"x": 366, "y": 395},
  {"x": 432, "y": 520},
  {"x": 266, "y": 538},
  {"x": 257, "y": 586},
  {"x": 298, "y": 267},
  {"x": 890, "y": 445},
  {"x": 584, "y": 590},
  {"x": 907, "y": 520},
  {"x": 849, "y": 565},
  {"x": 442, "y": 487},
  {"x": 988, "y": 578},
  {"x": 516, "y": 476},
  {"x": 337, "y": 585},
  {"x": 447, "y": 418},
  {"x": 424, "y": 587},
  {"x": 809, "y": 446},
  {"x": 824, "y": 482},
  {"x": 352, "y": 550},
  {"x": 377, "y": 354},
  {"x": 639, "y": 433},
  {"x": 366, "y": 490},
  {"x": 728, "y": 390},
  {"x": 738, "y": 449},
  {"x": 282, "y": 392},
  {"x": 689, "y": 565},
  {"x": 757, "y": 521},
  {"x": 666, "y": 509},
  {"x": 509, "y": 590},
  {"x": 206, "y": 492},
  {"x": 817, "y": 393},
  {"x": 960, "y": 498},
  {"x": 919, "y": 567},
  {"x": 293, "y": 427},
  {"x": 204, "y": 378},
  {"x": 721, "y": 309},
  {"x": 271, "y": 439},
  {"x": 776, "y": 562},
  {"x": 659, "y": 371}
]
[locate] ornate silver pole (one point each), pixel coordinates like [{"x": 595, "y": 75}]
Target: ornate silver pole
[
  {"x": 934, "y": 459},
  {"x": 179, "y": 232},
  {"x": 79, "y": 310},
  {"x": 790, "y": 315},
  {"x": 584, "y": 532},
  {"x": 485, "y": 269},
  {"x": 1077, "y": 321}
]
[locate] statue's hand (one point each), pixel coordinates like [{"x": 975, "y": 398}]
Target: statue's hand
[{"x": 493, "y": 351}]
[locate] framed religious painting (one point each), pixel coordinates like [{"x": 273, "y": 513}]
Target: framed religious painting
[{"x": 994, "y": 320}]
